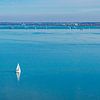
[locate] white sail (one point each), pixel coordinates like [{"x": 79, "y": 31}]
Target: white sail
[{"x": 18, "y": 69}]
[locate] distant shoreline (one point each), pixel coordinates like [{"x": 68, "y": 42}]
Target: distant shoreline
[
  {"x": 49, "y": 25},
  {"x": 52, "y": 23}
]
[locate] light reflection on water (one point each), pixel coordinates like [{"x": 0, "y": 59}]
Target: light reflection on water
[{"x": 18, "y": 74}]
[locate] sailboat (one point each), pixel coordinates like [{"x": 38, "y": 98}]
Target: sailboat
[{"x": 18, "y": 69}]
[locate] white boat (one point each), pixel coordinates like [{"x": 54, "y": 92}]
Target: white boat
[{"x": 18, "y": 69}]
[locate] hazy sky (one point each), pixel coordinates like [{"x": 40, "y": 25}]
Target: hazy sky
[{"x": 49, "y": 10}]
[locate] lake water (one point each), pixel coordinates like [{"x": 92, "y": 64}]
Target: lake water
[{"x": 56, "y": 64}]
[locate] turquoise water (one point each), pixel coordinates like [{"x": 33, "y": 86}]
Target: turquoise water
[{"x": 56, "y": 64}]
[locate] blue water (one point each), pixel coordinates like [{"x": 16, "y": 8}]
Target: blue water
[{"x": 56, "y": 64}]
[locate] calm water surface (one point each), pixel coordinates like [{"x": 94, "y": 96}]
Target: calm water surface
[{"x": 56, "y": 64}]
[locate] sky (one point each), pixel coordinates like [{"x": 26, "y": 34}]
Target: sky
[{"x": 49, "y": 10}]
